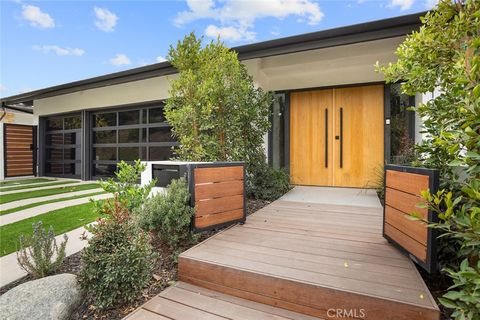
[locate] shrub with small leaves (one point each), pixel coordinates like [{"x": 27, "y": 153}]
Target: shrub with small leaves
[
  {"x": 39, "y": 254},
  {"x": 464, "y": 295},
  {"x": 126, "y": 185},
  {"x": 169, "y": 214},
  {"x": 118, "y": 261},
  {"x": 267, "y": 183}
]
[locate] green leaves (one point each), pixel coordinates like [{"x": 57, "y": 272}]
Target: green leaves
[
  {"x": 216, "y": 111},
  {"x": 466, "y": 299},
  {"x": 126, "y": 185},
  {"x": 169, "y": 215},
  {"x": 118, "y": 261},
  {"x": 40, "y": 255},
  {"x": 444, "y": 57}
]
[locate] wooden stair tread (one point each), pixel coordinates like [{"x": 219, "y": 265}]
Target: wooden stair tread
[{"x": 184, "y": 301}]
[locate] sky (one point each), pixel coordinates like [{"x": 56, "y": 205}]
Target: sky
[{"x": 45, "y": 43}]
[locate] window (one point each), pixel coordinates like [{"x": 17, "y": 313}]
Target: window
[
  {"x": 129, "y": 117},
  {"x": 402, "y": 126},
  {"x": 63, "y": 145},
  {"x": 104, "y": 120},
  {"x": 140, "y": 133}
]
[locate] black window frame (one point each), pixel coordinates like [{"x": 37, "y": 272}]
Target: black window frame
[
  {"x": 143, "y": 143},
  {"x": 63, "y": 132}
]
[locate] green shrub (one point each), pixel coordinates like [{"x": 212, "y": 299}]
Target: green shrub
[
  {"x": 267, "y": 183},
  {"x": 464, "y": 295},
  {"x": 37, "y": 252},
  {"x": 216, "y": 111},
  {"x": 378, "y": 182},
  {"x": 169, "y": 214},
  {"x": 443, "y": 56},
  {"x": 118, "y": 261},
  {"x": 126, "y": 185}
]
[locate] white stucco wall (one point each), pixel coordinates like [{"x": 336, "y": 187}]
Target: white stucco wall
[{"x": 120, "y": 94}]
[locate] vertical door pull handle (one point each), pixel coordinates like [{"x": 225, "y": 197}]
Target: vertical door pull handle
[
  {"x": 341, "y": 137},
  {"x": 326, "y": 137}
]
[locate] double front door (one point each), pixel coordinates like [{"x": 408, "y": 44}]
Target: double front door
[{"x": 337, "y": 136}]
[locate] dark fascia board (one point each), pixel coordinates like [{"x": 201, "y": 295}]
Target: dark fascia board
[{"x": 370, "y": 31}]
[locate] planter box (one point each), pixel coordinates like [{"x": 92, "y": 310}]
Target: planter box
[
  {"x": 403, "y": 186},
  {"x": 217, "y": 189}
]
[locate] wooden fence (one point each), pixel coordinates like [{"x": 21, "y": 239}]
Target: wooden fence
[{"x": 19, "y": 150}]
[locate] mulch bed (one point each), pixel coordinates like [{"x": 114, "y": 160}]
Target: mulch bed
[{"x": 164, "y": 274}]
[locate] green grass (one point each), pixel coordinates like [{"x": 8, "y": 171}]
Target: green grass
[
  {"x": 37, "y": 186},
  {"x": 31, "y": 205},
  {"x": 23, "y": 181},
  {"x": 45, "y": 192},
  {"x": 62, "y": 220}
]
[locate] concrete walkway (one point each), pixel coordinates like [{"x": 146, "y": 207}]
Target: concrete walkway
[
  {"x": 32, "y": 184},
  {"x": 73, "y": 183},
  {"x": 35, "y": 211},
  {"x": 335, "y": 196},
  {"x": 10, "y": 270},
  {"x": 24, "y": 202}
]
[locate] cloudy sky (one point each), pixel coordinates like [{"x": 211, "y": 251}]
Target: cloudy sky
[{"x": 44, "y": 43}]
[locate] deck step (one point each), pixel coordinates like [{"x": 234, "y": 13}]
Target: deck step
[
  {"x": 184, "y": 301},
  {"x": 305, "y": 259}
]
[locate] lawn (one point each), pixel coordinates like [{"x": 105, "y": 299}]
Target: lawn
[
  {"x": 45, "y": 192},
  {"x": 23, "y": 181},
  {"x": 62, "y": 220},
  {"x": 36, "y": 204},
  {"x": 58, "y": 183}
]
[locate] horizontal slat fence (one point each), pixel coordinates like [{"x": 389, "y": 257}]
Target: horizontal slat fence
[
  {"x": 403, "y": 187},
  {"x": 218, "y": 194},
  {"x": 19, "y": 151}
]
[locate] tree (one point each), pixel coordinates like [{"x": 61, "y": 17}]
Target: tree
[
  {"x": 216, "y": 111},
  {"x": 444, "y": 56}
]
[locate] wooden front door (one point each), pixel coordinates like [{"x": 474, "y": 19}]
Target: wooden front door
[
  {"x": 336, "y": 136},
  {"x": 19, "y": 150}
]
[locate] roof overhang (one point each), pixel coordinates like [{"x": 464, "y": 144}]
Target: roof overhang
[{"x": 364, "y": 32}]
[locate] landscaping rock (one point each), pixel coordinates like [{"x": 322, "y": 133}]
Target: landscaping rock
[{"x": 53, "y": 297}]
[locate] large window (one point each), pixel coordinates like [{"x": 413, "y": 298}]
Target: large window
[
  {"x": 131, "y": 134},
  {"x": 63, "y": 146},
  {"x": 402, "y": 126}
]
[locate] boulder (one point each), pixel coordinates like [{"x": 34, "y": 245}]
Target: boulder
[{"x": 53, "y": 297}]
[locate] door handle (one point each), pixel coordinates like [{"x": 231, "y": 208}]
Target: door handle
[
  {"x": 341, "y": 137},
  {"x": 326, "y": 137}
]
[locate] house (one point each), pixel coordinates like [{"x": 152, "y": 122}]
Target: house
[{"x": 335, "y": 120}]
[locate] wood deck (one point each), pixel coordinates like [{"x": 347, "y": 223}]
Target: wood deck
[
  {"x": 185, "y": 301},
  {"x": 320, "y": 260}
]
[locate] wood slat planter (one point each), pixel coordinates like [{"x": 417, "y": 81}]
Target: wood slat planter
[
  {"x": 218, "y": 194},
  {"x": 217, "y": 190},
  {"x": 403, "y": 187}
]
